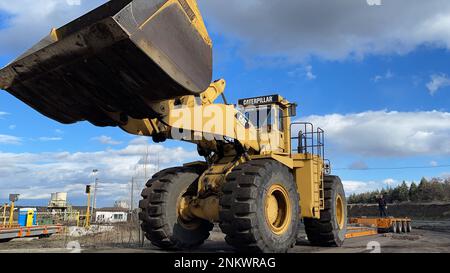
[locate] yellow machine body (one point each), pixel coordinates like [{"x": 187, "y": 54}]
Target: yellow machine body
[{"x": 146, "y": 67}]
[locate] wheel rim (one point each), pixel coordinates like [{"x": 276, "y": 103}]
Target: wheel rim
[
  {"x": 278, "y": 209},
  {"x": 340, "y": 212},
  {"x": 181, "y": 205}
]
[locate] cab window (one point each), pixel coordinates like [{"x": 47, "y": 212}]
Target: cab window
[
  {"x": 259, "y": 116},
  {"x": 280, "y": 120}
]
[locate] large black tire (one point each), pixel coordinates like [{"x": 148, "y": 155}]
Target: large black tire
[
  {"x": 408, "y": 227},
  {"x": 394, "y": 228},
  {"x": 404, "y": 227},
  {"x": 399, "y": 227},
  {"x": 243, "y": 207},
  {"x": 327, "y": 231},
  {"x": 160, "y": 221}
]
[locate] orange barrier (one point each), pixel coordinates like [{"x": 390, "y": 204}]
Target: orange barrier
[{"x": 35, "y": 231}]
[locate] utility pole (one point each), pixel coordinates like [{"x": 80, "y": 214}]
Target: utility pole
[
  {"x": 145, "y": 164},
  {"x": 132, "y": 194},
  {"x": 4, "y": 214},
  {"x": 11, "y": 214},
  {"x": 88, "y": 210},
  {"x": 94, "y": 204},
  {"x": 157, "y": 163}
]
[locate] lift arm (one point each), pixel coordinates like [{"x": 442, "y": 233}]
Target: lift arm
[{"x": 195, "y": 119}]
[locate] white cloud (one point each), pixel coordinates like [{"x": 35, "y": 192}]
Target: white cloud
[
  {"x": 46, "y": 139},
  {"x": 293, "y": 29},
  {"x": 106, "y": 140},
  {"x": 30, "y": 20},
  {"x": 351, "y": 186},
  {"x": 437, "y": 81},
  {"x": 433, "y": 163},
  {"x": 10, "y": 140},
  {"x": 297, "y": 29},
  {"x": 386, "y": 134},
  {"x": 36, "y": 175},
  {"x": 388, "y": 75},
  {"x": 309, "y": 73},
  {"x": 12, "y": 127},
  {"x": 390, "y": 182},
  {"x": 306, "y": 72},
  {"x": 2, "y": 114}
]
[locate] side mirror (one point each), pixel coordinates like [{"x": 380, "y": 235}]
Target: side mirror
[{"x": 292, "y": 110}]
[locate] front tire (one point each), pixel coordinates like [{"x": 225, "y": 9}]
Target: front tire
[
  {"x": 259, "y": 208},
  {"x": 331, "y": 228},
  {"x": 159, "y": 210}
]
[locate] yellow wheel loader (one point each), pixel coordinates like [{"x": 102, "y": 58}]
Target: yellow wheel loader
[{"x": 146, "y": 66}]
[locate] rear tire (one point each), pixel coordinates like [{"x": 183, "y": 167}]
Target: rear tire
[
  {"x": 404, "y": 227},
  {"x": 259, "y": 208},
  {"x": 394, "y": 228},
  {"x": 408, "y": 227},
  {"x": 399, "y": 227},
  {"x": 160, "y": 221},
  {"x": 331, "y": 228}
]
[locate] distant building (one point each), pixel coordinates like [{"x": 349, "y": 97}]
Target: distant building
[{"x": 111, "y": 215}]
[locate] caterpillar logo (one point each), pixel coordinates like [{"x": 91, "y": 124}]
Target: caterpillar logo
[{"x": 260, "y": 100}]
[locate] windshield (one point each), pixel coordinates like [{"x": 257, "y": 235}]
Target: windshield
[{"x": 260, "y": 117}]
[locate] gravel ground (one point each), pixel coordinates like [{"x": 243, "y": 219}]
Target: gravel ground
[{"x": 427, "y": 236}]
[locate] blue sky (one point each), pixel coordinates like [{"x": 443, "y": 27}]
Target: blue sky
[{"x": 382, "y": 93}]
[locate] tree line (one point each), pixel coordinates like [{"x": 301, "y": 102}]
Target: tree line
[{"x": 434, "y": 190}]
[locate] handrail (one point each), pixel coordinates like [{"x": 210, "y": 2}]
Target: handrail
[{"x": 310, "y": 141}]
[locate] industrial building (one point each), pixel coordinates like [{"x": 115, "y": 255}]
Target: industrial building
[{"x": 111, "y": 215}]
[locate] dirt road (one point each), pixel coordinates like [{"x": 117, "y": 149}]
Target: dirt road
[{"x": 429, "y": 241}]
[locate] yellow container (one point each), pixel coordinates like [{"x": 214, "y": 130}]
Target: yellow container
[{"x": 30, "y": 218}]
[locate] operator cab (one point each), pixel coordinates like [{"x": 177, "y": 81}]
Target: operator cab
[{"x": 270, "y": 115}]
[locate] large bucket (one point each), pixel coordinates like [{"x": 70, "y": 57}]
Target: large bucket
[{"x": 117, "y": 58}]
